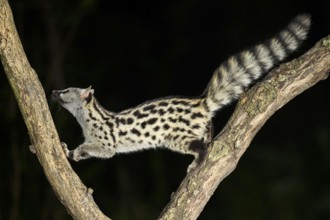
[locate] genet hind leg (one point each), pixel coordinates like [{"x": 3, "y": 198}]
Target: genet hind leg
[{"x": 199, "y": 150}]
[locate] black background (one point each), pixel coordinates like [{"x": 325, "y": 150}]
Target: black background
[{"x": 133, "y": 51}]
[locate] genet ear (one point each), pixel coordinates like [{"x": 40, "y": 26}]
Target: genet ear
[{"x": 87, "y": 94}]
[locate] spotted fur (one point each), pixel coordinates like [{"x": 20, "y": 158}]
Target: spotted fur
[{"x": 179, "y": 124}]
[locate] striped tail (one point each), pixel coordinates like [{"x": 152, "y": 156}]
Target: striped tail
[{"x": 240, "y": 70}]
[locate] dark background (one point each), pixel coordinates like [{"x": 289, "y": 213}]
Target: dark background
[{"x": 133, "y": 51}]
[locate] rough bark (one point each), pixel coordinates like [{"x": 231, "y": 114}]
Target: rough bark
[
  {"x": 32, "y": 102},
  {"x": 253, "y": 110}
]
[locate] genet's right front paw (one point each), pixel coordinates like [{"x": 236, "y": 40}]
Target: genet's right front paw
[{"x": 78, "y": 154}]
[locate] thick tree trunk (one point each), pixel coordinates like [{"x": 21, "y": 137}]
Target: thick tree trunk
[
  {"x": 253, "y": 110},
  {"x": 33, "y": 104}
]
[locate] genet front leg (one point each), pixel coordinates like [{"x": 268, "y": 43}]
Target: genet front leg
[{"x": 88, "y": 150}]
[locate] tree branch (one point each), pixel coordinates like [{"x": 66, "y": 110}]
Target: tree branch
[
  {"x": 254, "y": 108},
  {"x": 33, "y": 105}
]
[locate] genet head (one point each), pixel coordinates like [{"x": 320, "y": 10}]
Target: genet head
[{"x": 73, "y": 99}]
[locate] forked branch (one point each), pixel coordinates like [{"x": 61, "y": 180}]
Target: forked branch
[{"x": 253, "y": 110}]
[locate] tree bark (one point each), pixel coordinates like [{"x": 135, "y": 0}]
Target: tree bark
[
  {"x": 32, "y": 102},
  {"x": 253, "y": 110}
]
